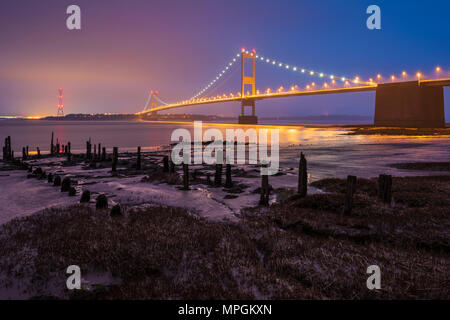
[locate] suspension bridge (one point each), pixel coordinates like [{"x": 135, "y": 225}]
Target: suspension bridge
[{"x": 399, "y": 102}]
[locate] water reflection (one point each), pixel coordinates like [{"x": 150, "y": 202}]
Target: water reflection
[{"x": 330, "y": 152}]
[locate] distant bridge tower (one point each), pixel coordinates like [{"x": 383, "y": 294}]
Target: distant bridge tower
[
  {"x": 247, "y": 80},
  {"x": 153, "y": 99},
  {"x": 60, "y": 103}
]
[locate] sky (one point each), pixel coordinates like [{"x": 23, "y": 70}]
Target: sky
[{"x": 127, "y": 48}]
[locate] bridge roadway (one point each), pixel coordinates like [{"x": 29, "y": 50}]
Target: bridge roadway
[{"x": 284, "y": 94}]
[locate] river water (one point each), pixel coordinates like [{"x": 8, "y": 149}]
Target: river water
[{"x": 330, "y": 152}]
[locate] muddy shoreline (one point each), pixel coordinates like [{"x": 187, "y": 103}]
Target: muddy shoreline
[{"x": 295, "y": 248}]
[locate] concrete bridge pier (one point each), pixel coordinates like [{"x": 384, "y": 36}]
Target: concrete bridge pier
[
  {"x": 409, "y": 104},
  {"x": 243, "y": 119}
]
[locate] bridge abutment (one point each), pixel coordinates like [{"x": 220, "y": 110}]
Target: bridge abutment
[{"x": 409, "y": 104}]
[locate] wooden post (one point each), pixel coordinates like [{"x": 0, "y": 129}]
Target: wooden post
[
  {"x": 138, "y": 161},
  {"x": 99, "y": 150},
  {"x": 69, "y": 154},
  {"x": 208, "y": 179},
  {"x": 351, "y": 187},
  {"x": 218, "y": 175},
  {"x": 95, "y": 151},
  {"x": 52, "y": 147},
  {"x": 172, "y": 167},
  {"x": 9, "y": 150},
  {"x": 104, "y": 154},
  {"x": 8, "y": 154},
  {"x": 228, "y": 181},
  {"x": 385, "y": 188},
  {"x": 24, "y": 154},
  {"x": 115, "y": 158},
  {"x": 5, "y": 157},
  {"x": 185, "y": 176},
  {"x": 90, "y": 149},
  {"x": 38, "y": 152},
  {"x": 302, "y": 176},
  {"x": 166, "y": 164},
  {"x": 265, "y": 192},
  {"x": 27, "y": 152}
]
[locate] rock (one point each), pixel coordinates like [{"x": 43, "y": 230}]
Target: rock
[
  {"x": 85, "y": 196},
  {"x": 72, "y": 192},
  {"x": 116, "y": 211},
  {"x": 37, "y": 171},
  {"x": 101, "y": 202},
  {"x": 57, "y": 181},
  {"x": 258, "y": 190},
  {"x": 50, "y": 177},
  {"x": 230, "y": 196},
  {"x": 65, "y": 185}
]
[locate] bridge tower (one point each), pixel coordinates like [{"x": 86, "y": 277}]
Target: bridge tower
[
  {"x": 153, "y": 100},
  {"x": 60, "y": 103},
  {"x": 247, "y": 80}
]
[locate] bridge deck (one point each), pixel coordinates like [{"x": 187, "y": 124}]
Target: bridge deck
[
  {"x": 263, "y": 96},
  {"x": 266, "y": 96}
]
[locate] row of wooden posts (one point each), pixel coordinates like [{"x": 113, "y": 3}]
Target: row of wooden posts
[{"x": 384, "y": 181}]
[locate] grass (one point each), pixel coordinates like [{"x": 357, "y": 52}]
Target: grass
[{"x": 294, "y": 249}]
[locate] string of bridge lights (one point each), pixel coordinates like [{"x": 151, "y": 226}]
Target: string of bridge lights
[
  {"x": 217, "y": 78},
  {"x": 278, "y": 64},
  {"x": 306, "y": 71},
  {"x": 347, "y": 81}
]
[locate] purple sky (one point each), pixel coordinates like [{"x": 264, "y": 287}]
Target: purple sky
[{"x": 126, "y": 48}]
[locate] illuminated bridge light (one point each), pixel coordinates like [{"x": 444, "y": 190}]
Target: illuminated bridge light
[
  {"x": 273, "y": 62},
  {"x": 343, "y": 78},
  {"x": 307, "y": 87},
  {"x": 294, "y": 68},
  {"x": 313, "y": 84},
  {"x": 321, "y": 75},
  {"x": 311, "y": 73},
  {"x": 303, "y": 70},
  {"x": 331, "y": 77},
  {"x": 268, "y": 60},
  {"x": 280, "y": 64},
  {"x": 287, "y": 67}
]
